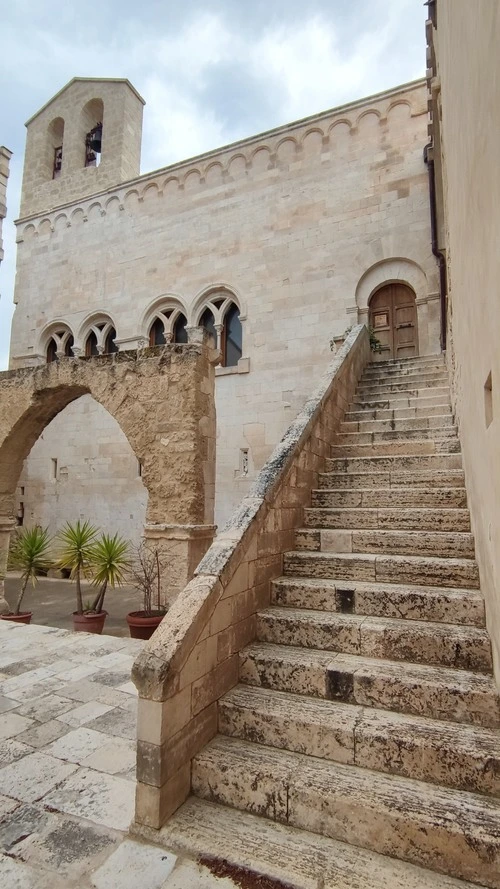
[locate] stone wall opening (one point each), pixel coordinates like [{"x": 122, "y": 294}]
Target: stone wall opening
[{"x": 163, "y": 401}]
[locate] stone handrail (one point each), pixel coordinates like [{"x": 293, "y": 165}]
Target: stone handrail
[{"x": 193, "y": 658}]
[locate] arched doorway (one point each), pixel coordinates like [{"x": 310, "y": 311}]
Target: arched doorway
[{"x": 393, "y": 317}]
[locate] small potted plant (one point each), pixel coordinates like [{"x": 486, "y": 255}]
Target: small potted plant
[
  {"x": 30, "y": 556},
  {"x": 145, "y": 577},
  {"x": 78, "y": 541}
]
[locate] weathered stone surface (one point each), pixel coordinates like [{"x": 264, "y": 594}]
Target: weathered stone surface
[
  {"x": 447, "y": 605},
  {"x": 413, "y": 519},
  {"x": 402, "y": 818},
  {"x": 465, "y": 648}
]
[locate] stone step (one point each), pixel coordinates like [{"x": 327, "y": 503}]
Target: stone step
[
  {"x": 374, "y": 373},
  {"x": 398, "y": 519},
  {"x": 438, "y": 357},
  {"x": 404, "y": 364},
  {"x": 418, "y": 570},
  {"x": 444, "y": 544},
  {"x": 401, "y": 601},
  {"x": 393, "y": 479},
  {"x": 267, "y": 855},
  {"x": 405, "y": 382},
  {"x": 433, "y": 826},
  {"x": 440, "y": 693},
  {"x": 372, "y": 436},
  {"x": 347, "y": 446},
  {"x": 400, "y": 413},
  {"x": 397, "y": 462},
  {"x": 429, "y": 425},
  {"x": 461, "y": 756},
  {"x": 417, "y": 642},
  {"x": 387, "y": 498},
  {"x": 395, "y": 401}
]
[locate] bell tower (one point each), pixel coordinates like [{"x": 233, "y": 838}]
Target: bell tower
[{"x": 87, "y": 138}]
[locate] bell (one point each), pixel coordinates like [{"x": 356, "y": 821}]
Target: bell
[{"x": 96, "y": 139}]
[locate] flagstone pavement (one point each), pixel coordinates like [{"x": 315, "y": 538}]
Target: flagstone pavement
[{"x": 67, "y": 768}]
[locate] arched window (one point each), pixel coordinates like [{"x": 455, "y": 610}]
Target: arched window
[
  {"x": 231, "y": 344},
  {"x": 110, "y": 346},
  {"x": 157, "y": 333},
  {"x": 168, "y": 328},
  {"x": 91, "y": 345},
  {"x": 51, "y": 351},
  {"x": 92, "y": 118},
  {"x": 179, "y": 329},
  {"x": 56, "y": 139},
  {"x": 207, "y": 321},
  {"x": 56, "y": 344}
]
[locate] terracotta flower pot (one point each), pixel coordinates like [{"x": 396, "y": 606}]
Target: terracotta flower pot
[
  {"x": 23, "y": 618},
  {"x": 89, "y": 621},
  {"x": 142, "y": 625}
]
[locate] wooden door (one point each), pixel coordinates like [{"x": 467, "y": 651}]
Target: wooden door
[{"x": 393, "y": 316}]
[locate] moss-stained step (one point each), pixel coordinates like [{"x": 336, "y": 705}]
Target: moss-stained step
[
  {"x": 396, "y": 463},
  {"x": 429, "y": 425},
  {"x": 420, "y": 642},
  {"x": 419, "y": 543},
  {"x": 406, "y": 382},
  {"x": 410, "y": 519},
  {"x": 400, "y": 601},
  {"x": 419, "y": 570},
  {"x": 437, "y": 827},
  {"x": 393, "y": 401},
  {"x": 388, "y": 499},
  {"x": 440, "y": 693},
  {"x": 401, "y": 413},
  {"x": 414, "y": 747},
  {"x": 392, "y": 478},
  {"x": 268, "y": 854}
]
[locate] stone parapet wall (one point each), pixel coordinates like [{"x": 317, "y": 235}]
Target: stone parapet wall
[{"x": 193, "y": 658}]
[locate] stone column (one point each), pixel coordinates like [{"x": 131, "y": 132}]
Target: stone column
[
  {"x": 7, "y": 525},
  {"x": 180, "y": 548}
]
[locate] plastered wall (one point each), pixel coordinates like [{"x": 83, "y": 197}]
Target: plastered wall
[
  {"x": 466, "y": 44},
  {"x": 301, "y": 224}
]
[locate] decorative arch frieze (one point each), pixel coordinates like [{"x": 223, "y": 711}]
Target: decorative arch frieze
[{"x": 325, "y": 133}]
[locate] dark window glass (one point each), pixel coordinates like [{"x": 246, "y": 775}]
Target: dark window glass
[
  {"x": 109, "y": 343},
  {"x": 51, "y": 352},
  {"x": 232, "y": 337},
  {"x": 157, "y": 334},
  {"x": 68, "y": 347},
  {"x": 180, "y": 333},
  {"x": 91, "y": 345},
  {"x": 207, "y": 321}
]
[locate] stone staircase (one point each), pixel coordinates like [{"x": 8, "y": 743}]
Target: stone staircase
[{"x": 361, "y": 748}]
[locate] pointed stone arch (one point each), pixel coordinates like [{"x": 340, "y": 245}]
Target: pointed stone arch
[{"x": 163, "y": 401}]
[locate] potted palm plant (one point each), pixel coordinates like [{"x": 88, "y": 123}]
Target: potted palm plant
[
  {"x": 145, "y": 577},
  {"x": 78, "y": 542},
  {"x": 30, "y": 556},
  {"x": 109, "y": 563}
]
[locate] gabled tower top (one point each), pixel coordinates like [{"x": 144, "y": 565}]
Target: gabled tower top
[{"x": 85, "y": 139}]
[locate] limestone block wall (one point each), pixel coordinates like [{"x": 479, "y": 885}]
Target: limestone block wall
[
  {"x": 299, "y": 225},
  {"x": 466, "y": 46},
  {"x": 192, "y": 659}
]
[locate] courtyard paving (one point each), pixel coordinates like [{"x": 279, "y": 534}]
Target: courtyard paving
[{"x": 67, "y": 767}]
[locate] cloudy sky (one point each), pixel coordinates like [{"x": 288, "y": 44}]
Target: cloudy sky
[{"x": 211, "y": 71}]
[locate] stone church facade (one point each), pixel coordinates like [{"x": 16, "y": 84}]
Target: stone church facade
[{"x": 276, "y": 244}]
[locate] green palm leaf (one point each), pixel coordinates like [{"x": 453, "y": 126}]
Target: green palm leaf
[{"x": 30, "y": 556}]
